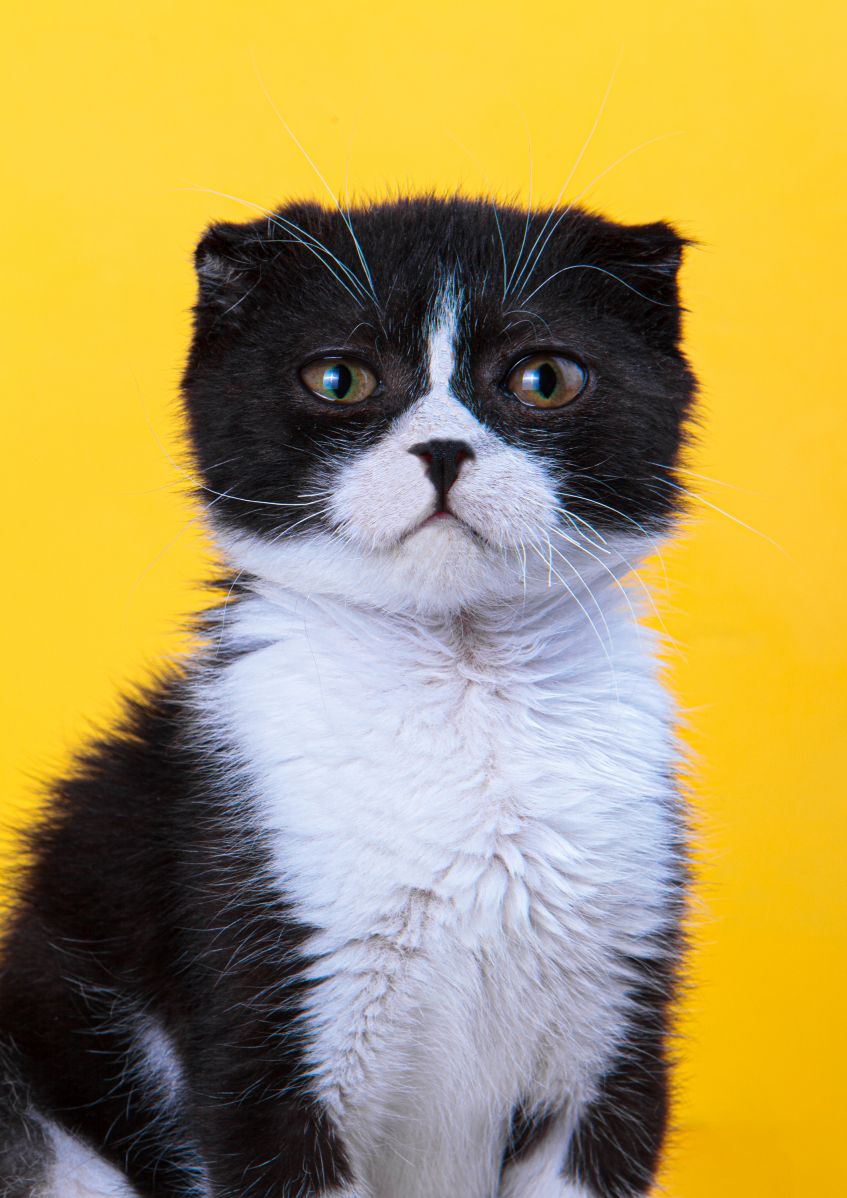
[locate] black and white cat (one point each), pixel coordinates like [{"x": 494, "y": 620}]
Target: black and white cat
[{"x": 379, "y": 895}]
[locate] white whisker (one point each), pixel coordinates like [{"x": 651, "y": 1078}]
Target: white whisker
[
  {"x": 585, "y": 585},
  {"x": 313, "y": 245},
  {"x": 601, "y": 270},
  {"x": 718, "y": 482},
  {"x": 345, "y": 217},
  {"x": 529, "y": 264},
  {"x": 585, "y": 612},
  {"x": 623, "y": 157},
  {"x": 528, "y": 220},
  {"x": 630, "y": 569},
  {"x": 226, "y": 604},
  {"x": 651, "y": 541},
  {"x": 721, "y": 511},
  {"x": 572, "y": 516}
]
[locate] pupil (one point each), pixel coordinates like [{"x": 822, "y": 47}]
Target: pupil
[
  {"x": 338, "y": 379},
  {"x": 546, "y": 379}
]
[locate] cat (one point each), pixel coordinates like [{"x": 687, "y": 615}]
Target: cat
[{"x": 381, "y": 893}]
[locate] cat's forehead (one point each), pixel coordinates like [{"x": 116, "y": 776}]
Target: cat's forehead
[
  {"x": 394, "y": 275},
  {"x": 377, "y": 278},
  {"x": 410, "y": 255},
  {"x": 398, "y": 260}
]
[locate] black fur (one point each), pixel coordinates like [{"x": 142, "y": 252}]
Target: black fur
[
  {"x": 616, "y": 1148},
  {"x": 526, "y": 1131},
  {"x": 147, "y": 894},
  {"x": 142, "y": 899}
]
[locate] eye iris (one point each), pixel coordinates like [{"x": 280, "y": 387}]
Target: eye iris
[
  {"x": 542, "y": 378},
  {"x": 546, "y": 381},
  {"x": 338, "y": 380}
]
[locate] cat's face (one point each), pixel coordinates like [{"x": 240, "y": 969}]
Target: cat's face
[{"x": 436, "y": 404}]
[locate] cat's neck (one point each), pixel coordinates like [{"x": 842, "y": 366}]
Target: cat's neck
[{"x": 593, "y": 623}]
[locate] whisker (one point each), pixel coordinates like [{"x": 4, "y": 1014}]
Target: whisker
[
  {"x": 630, "y": 520},
  {"x": 582, "y": 537},
  {"x": 651, "y": 141},
  {"x": 502, "y": 246},
  {"x": 163, "y": 552},
  {"x": 584, "y": 611},
  {"x": 290, "y": 528},
  {"x": 721, "y": 511},
  {"x": 211, "y": 490},
  {"x": 630, "y": 570},
  {"x": 718, "y": 482},
  {"x": 348, "y": 223},
  {"x": 488, "y": 183},
  {"x": 528, "y": 220},
  {"x": 255, "y": 502},
  {"x": 601, "y": 270},
  {"x": 571, "y": 516},
  {"x": 315, "y": 246},
  {"x": 225, "y": 606},
  {"x": 317, "y": 254},
  {"x": 529, "y": 258},
  {"x": 623, "y": 157},
  {"x": 289, "y": 224},
  {"x": 585, "y": 585},
  {"x": 529, "y": 316}
]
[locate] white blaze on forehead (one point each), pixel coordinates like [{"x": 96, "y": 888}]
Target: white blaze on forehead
[
  {"x": 442, "y": 341},
  {"x": 438, "y": 413}
]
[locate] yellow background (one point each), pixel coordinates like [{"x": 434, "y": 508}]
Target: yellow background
[{"x": 116, "y": 112}]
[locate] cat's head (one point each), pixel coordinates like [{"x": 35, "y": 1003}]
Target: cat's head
[{"x": 435, "y": 404}]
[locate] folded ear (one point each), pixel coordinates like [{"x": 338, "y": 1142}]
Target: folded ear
[
  {"x": 229, "y": 260},
  {"x": 642, "y": 263},
  {"x": 650, "y": 255}
]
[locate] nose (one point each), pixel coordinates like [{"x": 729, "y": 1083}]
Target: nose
[{"x": 443, "y": 460}]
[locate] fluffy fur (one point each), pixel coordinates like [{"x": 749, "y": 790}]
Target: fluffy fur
[{"x": 379, "y": 896}]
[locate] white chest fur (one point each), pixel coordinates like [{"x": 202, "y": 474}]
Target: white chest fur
[{"x": 477, "y": 820}]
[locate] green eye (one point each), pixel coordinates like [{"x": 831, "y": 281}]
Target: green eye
[
  {"x": 546, "y": 381},
  {"x": 339, "y": 380}
]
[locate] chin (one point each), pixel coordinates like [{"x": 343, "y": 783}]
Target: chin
[
  {"x": 446, "y": 566},
  {"x": 439, "y": 568}
]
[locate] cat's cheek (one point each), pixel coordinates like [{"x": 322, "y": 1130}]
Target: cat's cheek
[
  {"x": 506, "y": 497},
  {"x": 380, "y": 498}
]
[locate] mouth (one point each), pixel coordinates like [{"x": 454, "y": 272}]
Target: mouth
[
  {"x": 443, "y": 519},
  {"x": 449, "y": 520}
]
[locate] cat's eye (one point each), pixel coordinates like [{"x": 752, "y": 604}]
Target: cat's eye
[
  {"x": 339, "y": 380},
  {"x": 546, "y": 381}
]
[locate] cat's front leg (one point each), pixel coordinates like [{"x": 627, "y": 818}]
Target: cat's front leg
[
  {"x": 611, "y": 1148},
  {"x": 612, "y": 1154},
  {"x": 276, "y": 1144},
  {"x": 541, "y": 1177},
  {"x": 582, "y": 1163},
  {"x": 536, "y": 1170}
]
